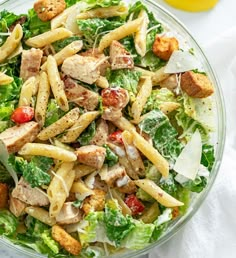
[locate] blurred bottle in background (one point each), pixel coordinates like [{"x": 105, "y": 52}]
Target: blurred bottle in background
[{"x": 192, "y": 5}]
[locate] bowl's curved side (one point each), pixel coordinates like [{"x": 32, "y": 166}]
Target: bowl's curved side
[{"x": 219, "y": 139}]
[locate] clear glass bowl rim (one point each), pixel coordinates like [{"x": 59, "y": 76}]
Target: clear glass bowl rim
[{"x": 220, "y": 141}]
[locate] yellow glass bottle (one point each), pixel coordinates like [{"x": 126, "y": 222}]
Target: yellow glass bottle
[{"x": 193, "y": 5}]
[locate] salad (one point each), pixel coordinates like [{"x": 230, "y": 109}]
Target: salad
[{"x": 106, "y": 118}]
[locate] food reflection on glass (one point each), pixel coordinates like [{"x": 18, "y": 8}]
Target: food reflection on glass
[{"x": 106, "y": 122}]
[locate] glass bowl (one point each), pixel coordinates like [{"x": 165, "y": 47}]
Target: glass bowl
[{"x": 218, "y": 138}]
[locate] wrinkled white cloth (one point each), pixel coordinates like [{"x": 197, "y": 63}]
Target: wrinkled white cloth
[{"x": 211, "y": 233}]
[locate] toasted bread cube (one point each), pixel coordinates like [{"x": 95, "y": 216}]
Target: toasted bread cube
[
  {"x": 48, "y": 9},
  {"x": 196, "y": 85},
  {"x": 94, "y": 202},
  {"x": 71, "y": 245},
  {"x": 163, "y": 47},
  {"x": 3, "y": 195}
]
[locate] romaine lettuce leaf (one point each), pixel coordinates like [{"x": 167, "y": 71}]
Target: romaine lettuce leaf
[
  {"x": 208, "y": 156},
  {"x": 117, "y": 225},
  {"x": 8, "y": 223},
  {"x": 94, "y": 29},
  {"x": 35, "y": 171},
  {"x": 93, "y": 4},
  {"x": 163, "y": 134},
  {"x": 87, "y": 135},
  {"x": 111, "y": 158},
  {"x": 158, "y": 97},
  {"x": 60, "y": 44},
  {"x": 139, "y": 237},
  {"x": 125, "y": 78},
  {"x": 169, "y": 185}
]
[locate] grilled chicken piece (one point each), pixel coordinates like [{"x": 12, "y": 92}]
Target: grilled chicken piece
[
  {"x": 91, "y": 155},
  {"x": 129, "y": 188},
  {"x": 68, "y": 214},
  {"x": 30, "y": 63},
  {"x": 196, "y": 85},
  {"x": 83, "y": 68},
  {"x": 104, "y": 64},
  {"x": 33, "y": 196},
  {"x": 48, "y": 9},
  {"x": 17, "y": 207},
  {"x": 3, "y": 195},
  {"x": 101, "y": 134},
  {"x": 120, "y": 58},
  {"x": 80, "y": 95},
  {"x": 115, "y": 175},
  {"x": 94, "y": 202},
  {"x": 17, "y": 136}
]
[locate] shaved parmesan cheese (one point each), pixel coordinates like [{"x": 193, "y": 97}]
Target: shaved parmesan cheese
[
  {"x": 181, "y": 61},
  {"x": 188, "y": 162},
  {"x": 90, "y": 180},
  {"x": 4, "y": 156}
]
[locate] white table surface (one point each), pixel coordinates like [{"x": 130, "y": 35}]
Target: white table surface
[{"x": 204, "y": 26}]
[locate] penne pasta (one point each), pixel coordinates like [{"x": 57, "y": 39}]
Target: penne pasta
[
  {"x": 102, "y": 82},
  {"x": 104, "y": 12},
  {"x": 46, "y": 150},
  {"x": 159, "y": 76},
  {"x": 60, "y": 125},
  {"x": 168, "y": 107},
  {"x": 59, "y": 187},
  {"x": 66, "y": 52},
  {"x": 26, "y": 92},
  {"x": 81, "y": 190},
  {"x": 5, "y": 79},
  {"x": 83, "y": 122},
  {"x": 119, "y": 33},
  {"x": 48, "y": 37},
  {"x": 11, "y": 43},
  {"x": 133, "y": 154},
  {"x": 82, "y": 170},
  {"x": 141, "y": 98},
  {"x": 42, "y": 99},
  {"x": 140, "y": 35},
  {"x": 124, "y": 208},
  {"x": 56, "y": 83},
  {"x": 60, "y": 19},
  {"x": 40, "y": 214},
  {"x": 157, "y": 193},
  {"x": 151, "y": 153},
  {"x": 123, "y": 124}
]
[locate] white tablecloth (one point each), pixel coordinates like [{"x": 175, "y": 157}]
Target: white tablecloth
[{"x": 211, "y": 233}]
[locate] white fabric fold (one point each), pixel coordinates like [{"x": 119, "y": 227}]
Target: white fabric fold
[{"x": 211, "y": 232}]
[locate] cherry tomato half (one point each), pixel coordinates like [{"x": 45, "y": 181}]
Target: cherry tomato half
[
  {"x": 134, "y": 204},
  {"x": 116, "y": 137},
  {"x": 22, "y": 114}
]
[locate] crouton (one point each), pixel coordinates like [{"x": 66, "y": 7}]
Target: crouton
[
  {"x": 71, "y": 245},
  {"x": 163, "y": 47},
  {"x": 196, "y": 85},
  {"x": 94, "y": 202},
  {"x": 3, "y": 195},
  {"x": 48, "y": 9}
]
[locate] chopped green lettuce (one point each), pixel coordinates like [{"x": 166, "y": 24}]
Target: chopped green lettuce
[
  {"x": 35, "y": 171},
  {"x": 92, "y": 252},
  {"x": 49, "y": 241},
  {"x": 6, "y": 109},
  {"x": 163, "y": 134},
  {"x": 196, "y": 185},
  {"x": 169, "y": 185},
  {"x": 94, "y": 29},
  {"x": 8, "y": 223},
  {"x": 87, "y": 135},
  {"x": 117, "y": 225},
  {"x": 144, "y": 196},
  {"x": 90, "y": 4},
  {"x": 208, "y": 156},
  {"x": 5, "y": 176},
  {"x": 111, "y": 158},
  {"x": 34, "y": 26},
  {"x": 158, "y": 97},
  {"x": 139, "y": 237},
  {"x": 161, "y": 223},
  {"x": 125, "y": 78},
  {"x": 60, "y": 44},
  {"x": 53, "y": 113}
]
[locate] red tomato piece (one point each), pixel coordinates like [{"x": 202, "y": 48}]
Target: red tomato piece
[
  {"x": 116, "y": 137},
  {"x": 134, "y": 204},
  {"x": 22, "y": 114},
  {"x": 115, "y": 97}
]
